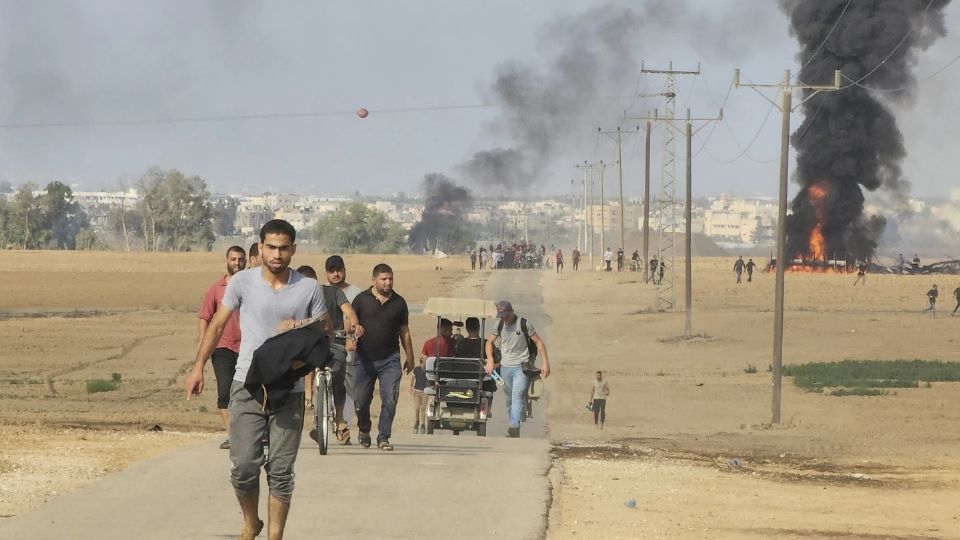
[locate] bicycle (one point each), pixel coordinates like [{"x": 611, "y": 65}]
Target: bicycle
[{"x": 323, "y": 411}]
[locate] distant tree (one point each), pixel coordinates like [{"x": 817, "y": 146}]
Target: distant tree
[
  {"x": 355, "y": 228},
  {"x": 176, "y": 211},
  {"x": 6, "y": 187},
  {"x": 26, "y": 218},
  {"x": 87, "y": 240},
  {"x": 63, "y": 217},
  {"x": 226, "y": 216}
]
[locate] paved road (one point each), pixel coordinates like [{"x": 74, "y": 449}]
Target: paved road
[{"x": 437, "y": 486}]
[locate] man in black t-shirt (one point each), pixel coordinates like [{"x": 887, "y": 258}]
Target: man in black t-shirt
[{"x": 386, "y": 322}]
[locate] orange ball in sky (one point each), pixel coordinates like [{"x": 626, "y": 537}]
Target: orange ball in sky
[{"x": 362, "y": 113}]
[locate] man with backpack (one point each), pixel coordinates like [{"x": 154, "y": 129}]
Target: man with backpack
[{"x": 519, "y": 344}]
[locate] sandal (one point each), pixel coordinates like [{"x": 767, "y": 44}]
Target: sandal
[
  {"x": 385, "y": 445},
  {"x": 364, "y": 439},
  {"x": 343, "y": 435}
]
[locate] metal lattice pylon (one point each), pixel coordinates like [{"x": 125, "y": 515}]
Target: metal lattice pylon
[
  {"x": 667, "y": 204},
  {"x": 668, "y": 211}
]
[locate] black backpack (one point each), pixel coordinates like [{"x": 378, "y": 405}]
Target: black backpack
[{"x": 531, "y": 345}]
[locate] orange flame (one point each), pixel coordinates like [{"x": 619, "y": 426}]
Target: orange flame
[{"x": 816, "y": 245}]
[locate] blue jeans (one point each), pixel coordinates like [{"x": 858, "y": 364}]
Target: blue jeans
[
  {"x": 366, "y": 373},
  {"x": 515, "y": 388}
]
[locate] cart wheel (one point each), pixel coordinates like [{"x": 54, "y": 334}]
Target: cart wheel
[
  {"x": 456, "y": 432},
  {"x": 482, "y": 429},
  {"x": 430, "y": 428}
]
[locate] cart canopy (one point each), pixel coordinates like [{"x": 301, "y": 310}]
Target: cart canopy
[{"x": 460, "y": 308}]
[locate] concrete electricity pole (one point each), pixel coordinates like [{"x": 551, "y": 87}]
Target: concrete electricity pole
[
  {"x": 589, "y": 169},
  {"x": 785, "y": 89},
  {"x": 667, "y": 202},
  {"x": 688, "y": 131},
  {"x": 617, "y": 138}
]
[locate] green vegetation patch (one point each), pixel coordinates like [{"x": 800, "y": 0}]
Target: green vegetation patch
[
  {"x": 870, "y": 377},
  {"x": 104, "y": 385}
]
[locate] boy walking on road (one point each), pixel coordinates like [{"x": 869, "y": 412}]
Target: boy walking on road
[
  {"x": 598, "y": 396},
  {"x": 268, "y": 298},
  {"x": 513, "y": 336},
  {"x": 386, "y": 321}
]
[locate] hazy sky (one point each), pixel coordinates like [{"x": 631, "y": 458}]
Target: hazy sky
[{"x": 100, "y": 61}]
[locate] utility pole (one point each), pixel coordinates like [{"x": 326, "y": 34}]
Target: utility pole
[
  {"x": 688, "y": 131},
  {"x": 785, "y": 89},
  {"x": 667, "y": 203},
  {"x": 617, "y": 138},
  {"x": 588, "y": 170},
  {"x": 646, "y": 203}
]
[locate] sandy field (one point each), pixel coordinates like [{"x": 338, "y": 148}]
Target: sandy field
[
  {"x": 688, "y": 436},
  {"x": 69, "y": 317}
]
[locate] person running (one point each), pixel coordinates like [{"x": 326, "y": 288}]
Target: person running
[
  {"x": 418, "y": 383},
  {"x": 224, "y": 358},
  {"x": 336, "y": 271},
  {"x": 750, "y": 267},
  {"x": 932, "y": 295},
  {"x": 268, "y": 298},
  {"x": 559, "y": 257},
  {"x": 386, "y": 320},
  {"x": 861, "y": 274},
  {"x": 473, "y": 260},
  {"x": 956, "y": 294},
  {"x": 512, "y": 337},
  {"x": 575, "y": 256},
  {"x": 738, "y": 268},
  {"x": 620, "y": 259},
  {"x": 607, "y": 260},
  {"x": 253, "y": 256},
  {"x": 663, "y": 268},
  {"x": 653, "y": 270},
  {"x": 598, "y": 397}
]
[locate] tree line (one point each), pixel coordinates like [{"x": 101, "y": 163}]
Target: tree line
[{"x": 174, "y": 212}]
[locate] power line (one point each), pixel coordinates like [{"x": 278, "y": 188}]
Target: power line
[
  {"x": 903, "y": 88},
  {"x": 895, "y": 49},
  {"x": 824, "y": 42},
  {"x": 260, "y": 116}
]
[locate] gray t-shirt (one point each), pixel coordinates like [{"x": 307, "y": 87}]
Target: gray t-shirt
[
  {"x": 262, "y": 309},
  {"x": 512, "y": 343}
]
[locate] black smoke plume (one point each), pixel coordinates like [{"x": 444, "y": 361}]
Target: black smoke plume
[
  {"x": 541, "y": 109},
  {"x": 849, "y": 140},
  {"x": 443, "y": 223}
]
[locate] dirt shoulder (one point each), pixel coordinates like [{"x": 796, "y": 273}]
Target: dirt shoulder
[
  {"x": 687, "y": 436},
  {"x": 71, "y": 317}
]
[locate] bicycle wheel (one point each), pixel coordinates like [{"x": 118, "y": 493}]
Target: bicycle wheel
[{"x": 321, "y": 406}]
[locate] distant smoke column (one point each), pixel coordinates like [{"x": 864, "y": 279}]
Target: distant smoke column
[
  {"x": 849, "y": 138},
  {"x": 445, "y": 206}
]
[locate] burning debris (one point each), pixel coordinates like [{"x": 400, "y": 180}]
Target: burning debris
[
  {"x": 442, "y": 223},
  {"x": 849, "y": 139}
]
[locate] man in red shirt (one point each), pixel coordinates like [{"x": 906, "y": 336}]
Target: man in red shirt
[
  {"x": 445, "y": 342},
  {"x": 224, "y": 357}
]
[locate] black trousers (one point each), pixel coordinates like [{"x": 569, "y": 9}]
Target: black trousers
[{"x": 599, "y": 411}]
